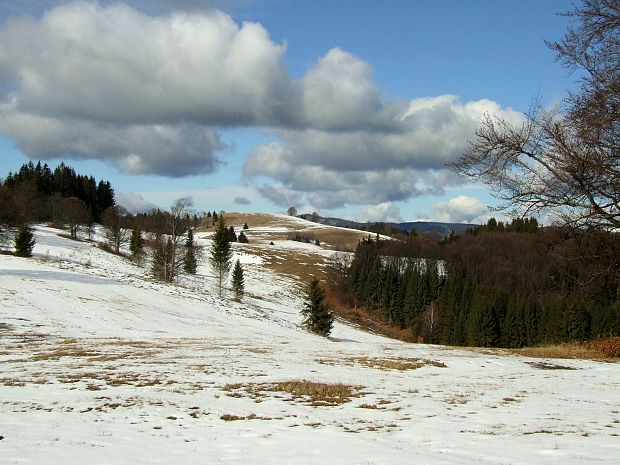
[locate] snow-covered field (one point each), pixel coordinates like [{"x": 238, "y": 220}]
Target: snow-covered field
[{"x": 101, "y": 365}]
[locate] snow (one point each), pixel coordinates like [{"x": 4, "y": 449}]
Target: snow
[{"x": 101, "y": 365}]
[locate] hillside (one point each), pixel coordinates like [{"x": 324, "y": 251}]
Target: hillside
[{"x": 101, "y": 364}]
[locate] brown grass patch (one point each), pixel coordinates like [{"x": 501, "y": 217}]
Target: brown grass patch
[
  {"x": 309, "y": 392},
  {"x": 400, "y": 363},
  {"x": 251, "y": 416},
  {"x": 299, "y": 265},
  {"x": 602, "y": 349},
  {"x": 56, "y": 354},
  {"x": 549, "y": 366}
]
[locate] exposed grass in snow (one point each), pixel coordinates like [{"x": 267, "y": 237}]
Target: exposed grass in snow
[
  {"x": 401, "y": 364},
  {"x": 102, "y": 365},
  {"x": 313, "y": 393}
]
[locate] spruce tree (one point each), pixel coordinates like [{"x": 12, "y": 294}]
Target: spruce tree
[
  {"x": 221, "y": 253},
  {"x": 190, "y": 264},
  {"x": 238, "y": 282},
  {"x": 232, "y": 236},
  {"x": 24, "y": 242},
  {"x": 318, "y": 317},
  {"x": 136, "y": 244},
  {"x": 242, "y": 238}
]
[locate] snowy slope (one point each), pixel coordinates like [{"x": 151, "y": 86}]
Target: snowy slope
[{"x": 102, "y": 365}]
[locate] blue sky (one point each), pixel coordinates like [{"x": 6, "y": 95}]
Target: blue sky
[{"x": 350, "y": 108}]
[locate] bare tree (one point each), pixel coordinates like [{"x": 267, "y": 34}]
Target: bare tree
[
  {"x": 563, "y": 162},
  {"x": 113, "y": 218},
  {"x": 178, "y": 223},
  {"x": 74, "y": 213},
  {"x": 292, "y": 211}
]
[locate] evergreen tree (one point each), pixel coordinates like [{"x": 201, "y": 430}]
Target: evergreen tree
[
  {"x": 243, "y": 239},
  {"x": 24, "y": 242},
  {"x": 318, "y": 317},
  {"x": 232, "y": 236},
  {"x": 245, "y": 226},
  {"x": 190, "y": 264},
  {"x": 136, "y": 244},
  {"x": 221, "y": 253},
  {"x": 238, "y": 281}
]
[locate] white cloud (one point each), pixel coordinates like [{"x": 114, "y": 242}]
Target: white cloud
[
  {"x": 151, "y": 93},
  {"x": 114, "y": 84},
  {"x": 461, "y": 209},
  {"x": 338, "y": 167},
  {"x": 134, "y": 203},
  {"x": 383, "y": 212}
]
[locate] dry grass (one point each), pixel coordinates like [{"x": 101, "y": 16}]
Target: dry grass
[
  {"x": 550, "y": 366},
  {"x": 399, "y": 364},
  {"x": 338, "y": 238},
  {"x": 603, "y": 349},
  {"x": 74, "y": 352},
  {"x": 298, "y": 265},
  {"x": 309, "y": 392}
]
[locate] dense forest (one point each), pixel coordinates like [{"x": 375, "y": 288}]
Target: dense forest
[
  {"x": 510, "y": 285},
  {"x": 36, "y": 193}
]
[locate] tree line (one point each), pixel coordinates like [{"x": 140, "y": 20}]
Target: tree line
[
  {"x": 38, "y": 193},
  {"x": 508, "y": 287}
]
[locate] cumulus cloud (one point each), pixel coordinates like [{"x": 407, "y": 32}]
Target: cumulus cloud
[
  {"x": 383, "y": 212},
  {"x": 134, "y": 203},
  {"x": 112, "y": 83},
  {"x": 461, "y": 209},
  {"x": 151, "y": 93},
  {"x": 363, "y": 166},
  {"x": 242, "y": 201}
]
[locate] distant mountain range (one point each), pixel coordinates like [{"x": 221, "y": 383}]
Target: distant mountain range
[{"x": 421, "y": 227}]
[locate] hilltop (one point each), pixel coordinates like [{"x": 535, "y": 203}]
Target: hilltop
[{"x": 102, "y": 364}]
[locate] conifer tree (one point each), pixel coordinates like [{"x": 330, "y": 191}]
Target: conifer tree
[
  {"x": 318, "y": 317},
  {"x": 238, "y": 281},
  {"x": 243, "y": 239},
  {"x": 190, "y": 263},
  {"x": 221, "y": 253},
  {"x": 245, "y": 226},
  {"x": 136, "y": 244},
  {"x": 24, "y": 242},
  {"x": 232, "y": 236}
]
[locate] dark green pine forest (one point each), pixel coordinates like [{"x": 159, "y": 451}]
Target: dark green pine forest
[
  {"x": 34, "y": 193},
  {"x": 499, "y": 285}
]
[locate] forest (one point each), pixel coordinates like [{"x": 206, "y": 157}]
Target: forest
[{"x": 499, "y": 285}]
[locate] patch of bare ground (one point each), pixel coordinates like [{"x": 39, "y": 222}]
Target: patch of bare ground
[
  {"x": 601, "y": 349},
  {"x": 309, "y": 392},
  {"x": 550, "y": 366},
  {"x": 251, "y": 416},
  {"x": 298, "y": 265},
  {"x": 400, "y": 363}
]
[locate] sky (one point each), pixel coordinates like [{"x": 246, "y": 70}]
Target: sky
[{"x": 348, "y": 108}]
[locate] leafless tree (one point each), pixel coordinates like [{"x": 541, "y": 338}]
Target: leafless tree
[
  {"x": 292, "y": 211},
  {"x": 74, "y": 213},
  {"x": 178, "y": 222},
  {"x": 113, "y": 218},
  {"x": 563, "y": 162}
]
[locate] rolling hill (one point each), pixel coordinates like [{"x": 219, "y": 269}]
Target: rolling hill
[{"x": 101, "y": 364}]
